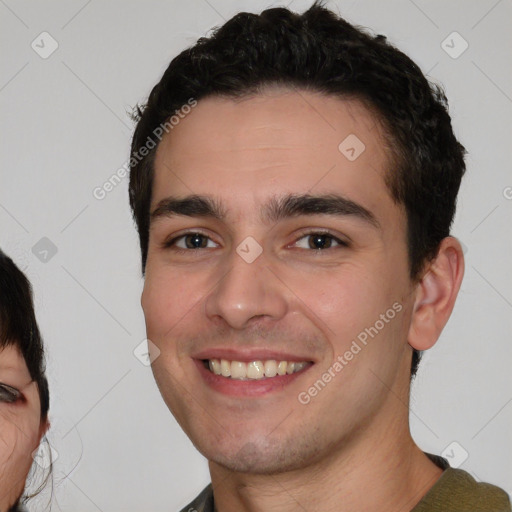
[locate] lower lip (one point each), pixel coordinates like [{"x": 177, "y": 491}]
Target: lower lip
[{"x": 252, "y": 387}]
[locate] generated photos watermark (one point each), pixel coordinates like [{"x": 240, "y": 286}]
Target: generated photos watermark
[
  {"x": 357, "y": 345},
  {"x": 100, "y": 192}
]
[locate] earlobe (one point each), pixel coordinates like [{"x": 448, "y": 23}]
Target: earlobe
[{"x": 435, "y": 294}]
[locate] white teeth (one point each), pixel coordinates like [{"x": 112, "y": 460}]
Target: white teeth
[
  {"x": 290, "y": 368},
  {"x": 215, "y": 366},
  {"x": 270, "y": 368},
  {"x": 281, "y": 368},
  {"x": 238, "y": 370},
  {"x": 225, "y": 368},
  {"x": 299, "y": 366},
  {"x": 255, "y": 369}
]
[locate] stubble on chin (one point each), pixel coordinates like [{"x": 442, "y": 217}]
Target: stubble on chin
[{"x": 267, "y": 458}]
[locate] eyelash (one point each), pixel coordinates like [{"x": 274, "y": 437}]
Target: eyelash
[
  {"x": 8, "y": 394},
  {"x": 171, "y": 243}
]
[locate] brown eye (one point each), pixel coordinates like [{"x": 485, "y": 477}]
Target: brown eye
[
  {"x": 8, "y": 394},
  {"x": 191, "y": 240},
  {"x": 195, "y": 241},
  {"x": 320, "y": 241}
]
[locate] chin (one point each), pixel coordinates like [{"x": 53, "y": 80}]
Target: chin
[{"x": 261, "y": 458}]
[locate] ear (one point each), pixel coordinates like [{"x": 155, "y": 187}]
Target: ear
[{"x": 435, "y": 294}]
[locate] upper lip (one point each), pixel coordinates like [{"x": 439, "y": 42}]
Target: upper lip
[{"x": 248, "y": 355}]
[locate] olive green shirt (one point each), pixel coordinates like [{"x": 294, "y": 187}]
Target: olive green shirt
[{"x": 455, "y": 491}]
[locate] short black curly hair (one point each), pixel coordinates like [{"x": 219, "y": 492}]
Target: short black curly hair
[{"x": 319, "y": 51}]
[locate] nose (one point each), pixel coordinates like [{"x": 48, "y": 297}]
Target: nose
[{"x": 245, "y": 292}]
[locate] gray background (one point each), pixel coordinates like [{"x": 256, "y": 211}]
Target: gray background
[{"x": 65, "y": 131}]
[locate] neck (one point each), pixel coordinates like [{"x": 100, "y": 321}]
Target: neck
[{"x": 377, "y": 471}]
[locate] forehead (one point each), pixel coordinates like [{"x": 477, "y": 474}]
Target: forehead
[
  {"x": 11, "y": 359},
  {"x": 279, "y": 140}
]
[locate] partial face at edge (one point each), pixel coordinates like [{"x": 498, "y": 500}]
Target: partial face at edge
[
  {"x": 20, "y": 424},
  {"x": 320, "y": 280}
]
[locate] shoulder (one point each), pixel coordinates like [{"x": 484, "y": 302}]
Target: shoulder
[
  {"x": 457, "y": 491},
  {"x": 203, "y": 502}
]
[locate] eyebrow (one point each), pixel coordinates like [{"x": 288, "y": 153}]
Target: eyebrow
[
  {"x": 8, "y": 367},
  {"x": 274, "y": 210}
]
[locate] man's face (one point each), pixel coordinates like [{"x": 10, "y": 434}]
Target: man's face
[
  {"x": 302, "y": 288},
  {"x": 20, "y": 424}
]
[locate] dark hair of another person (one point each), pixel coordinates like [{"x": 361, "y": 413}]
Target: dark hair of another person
[
  {"x": 18, "y": 326},
  {"x": 321, "y": 52}
]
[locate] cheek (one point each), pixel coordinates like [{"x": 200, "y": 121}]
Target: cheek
[
  {"x": 18, "y": 439},
  {"x": 171, "y": 296},
  {"x": 162, "y": 301},
  {"x": 346, "y": 299},
  {"x": 360, "y": 312}
]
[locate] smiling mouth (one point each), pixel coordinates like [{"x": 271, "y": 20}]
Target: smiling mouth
[{"x": 254, "y": 370}]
